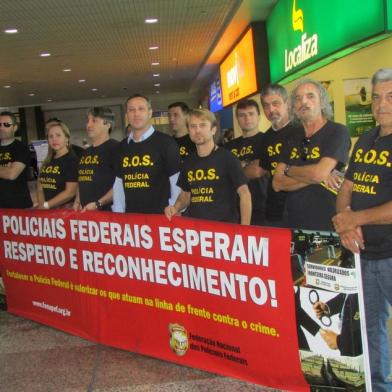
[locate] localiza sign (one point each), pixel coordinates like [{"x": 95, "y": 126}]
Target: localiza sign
[{"x": 302, "y": 32}]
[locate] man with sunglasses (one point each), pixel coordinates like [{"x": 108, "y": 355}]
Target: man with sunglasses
[
  {"x": 14, "y": 162},
  {"x": 309, "y": 159}
]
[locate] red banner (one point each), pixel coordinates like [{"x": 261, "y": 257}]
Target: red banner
[{"x": 210, "y": 295}]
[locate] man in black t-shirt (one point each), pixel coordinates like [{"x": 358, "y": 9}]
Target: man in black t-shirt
[
  {"x": 247, "y": 148},
  {"x": 309, "y": 158},
  {"x": 148, "y": 164},
  {"x": 178, "y": 112},
  {"x": 15, "y": 159},
  {"x": 211, "y": 178},
  {"x": 274, "y": 101},
  {"x": 96, "y": 171},
  {"x": 364, "y": 223}
]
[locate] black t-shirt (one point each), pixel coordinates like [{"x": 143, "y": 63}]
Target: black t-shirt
[
  {"x": 271, "y": 154},
  {"x": 15, "y": 193},
  {"x": 247, "y": 149},
  {"x": 313, "y": 206},
  {"x": 145, "y": 168},
  {"x": 57, "y": 173},
  {"x": 370, "y": 170},
  {"x": 185, "y": 145},
  {"x": 96, "y": 171},
  {"x": 213, "y": 182}
]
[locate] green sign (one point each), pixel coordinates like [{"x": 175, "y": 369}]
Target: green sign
[{"x": 304, "y": 32}]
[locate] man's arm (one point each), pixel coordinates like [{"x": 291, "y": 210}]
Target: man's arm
[
  {"x": 103, "y": 200},
  {"x": 350, "y": 233},
  {"x": 183, "y": 201},
  {"x": 281, "y": 182},
  {"x": 253, "y": 170},
  {"x": 313, "y": 173},
  {"x": 12, "y": 171},
  {"x": 175, "y": 190},
  {"x": 118, "y": 196},
  {"x": 245, "y": 204}
]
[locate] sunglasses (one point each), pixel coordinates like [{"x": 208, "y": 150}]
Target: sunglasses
[
  {"x": 304, "y": 149},
  {"x": 6, "y": 124}
]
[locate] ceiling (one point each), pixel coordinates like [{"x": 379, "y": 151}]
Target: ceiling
[{"x": 106, "y": 43}]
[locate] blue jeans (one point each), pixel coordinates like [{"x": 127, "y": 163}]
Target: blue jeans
[{"x": 377, "y": 286}]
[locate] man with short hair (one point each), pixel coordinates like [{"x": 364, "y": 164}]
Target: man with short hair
[
  {"x": 96, "y": 171},
  {"x": 178, "y": 112},
  {"x": 274, "y": 100},
  {"x": 309, "y": 158},
  {"x": 247, "y": 148},
  {"x": 211, "y": 178},
  {"x": 15, "y": 159},
  {"x": 148, "y": 164},
  {"x": 364, "y": 223}
]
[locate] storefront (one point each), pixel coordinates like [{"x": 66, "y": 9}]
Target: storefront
[{"x": 339, "y": 43}]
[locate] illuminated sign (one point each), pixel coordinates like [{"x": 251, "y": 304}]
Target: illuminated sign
[
  {"x": 238, "y": 71},
  {"x": 216, "y": 95},
  {"x": 304, "y": 32}
]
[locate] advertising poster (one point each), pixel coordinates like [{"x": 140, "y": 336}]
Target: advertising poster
[
  {"x": 209, "y": 295},
  {"x": 358, "y": 97},
  {"x": 327, "y": 296}
]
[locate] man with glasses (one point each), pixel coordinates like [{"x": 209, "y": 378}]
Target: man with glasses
[
  {"x": 15, "y": 159},
  {"x": 310, "y": 159},
  {"x": 211, "y": 178},
  {"x": 364, "y": 223}
]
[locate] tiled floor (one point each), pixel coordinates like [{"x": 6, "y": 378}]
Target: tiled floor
[{"x": 36, "y": 358}]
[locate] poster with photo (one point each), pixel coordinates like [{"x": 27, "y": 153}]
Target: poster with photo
[
  {"x": 357, "y": 96},
  {"x": 327, "y": 299}
]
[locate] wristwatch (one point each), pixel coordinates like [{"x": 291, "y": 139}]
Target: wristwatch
[
  {"x": 286, "y": 170},
  {"x": 46, "y": 205},
  {"x": 98, "y": 205}
]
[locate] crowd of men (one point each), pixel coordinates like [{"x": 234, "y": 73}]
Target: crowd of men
[{"x": 293, "y": 175}]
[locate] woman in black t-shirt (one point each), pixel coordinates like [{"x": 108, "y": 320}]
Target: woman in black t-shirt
[{"x": 57, "y": 181}]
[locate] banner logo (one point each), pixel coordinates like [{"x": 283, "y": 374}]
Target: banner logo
[
  {"x": 297, "y": 18},
  {"x": 307, "y": 48},
  {"x": 178, "y": 342}
]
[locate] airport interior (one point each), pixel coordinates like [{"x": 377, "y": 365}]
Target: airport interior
[{"x": 61, "y": 58}]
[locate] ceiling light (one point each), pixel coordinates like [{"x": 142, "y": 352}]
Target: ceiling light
[
  {"x": 11, "y": 31},
  {"x": 151, "y": 20},
  {"x": 94, "y": 89},
  {"x": 153, "y": 47},
  {"x": 67, "y": 70},
  {"x": 82, "y": 80},
  {"x": 157, "y": 92},
  {"x": 45, "y": 54},
  {"x": 31, "y": 94},
  {"x": 50, "y": 100},
  {"x": 157, "y": 84},
  {"x": 7, "y": 86},
  {"x": 155, "y": 63}
]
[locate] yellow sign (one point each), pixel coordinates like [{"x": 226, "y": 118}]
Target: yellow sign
[{"x": 238, "y": 71}]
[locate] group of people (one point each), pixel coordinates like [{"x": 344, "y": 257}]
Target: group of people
[{"x": 290, "y": 176}]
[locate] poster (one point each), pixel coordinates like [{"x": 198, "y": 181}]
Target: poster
[
  {"x": 327, "y": 293},
  {"x": 358, "y": 95}
]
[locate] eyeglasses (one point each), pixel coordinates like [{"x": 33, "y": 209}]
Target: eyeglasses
[
  {"x": 304, "y": 149},
  {"x": 6, "y": 124}
]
